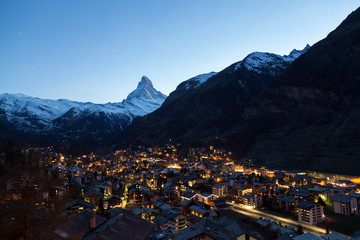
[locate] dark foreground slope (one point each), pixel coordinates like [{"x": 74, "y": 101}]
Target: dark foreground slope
[{"x": 311, "y": 115}]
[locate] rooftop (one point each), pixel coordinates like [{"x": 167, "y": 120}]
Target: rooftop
[{"x": 341, "y": 198}]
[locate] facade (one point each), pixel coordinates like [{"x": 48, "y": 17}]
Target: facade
[
  {"x": 310, "y": 212},
  {"x": 220, "y": 190},
  {"x": 252, "y": 200},
  {"x": 344, "y": 204},
  {"x": 285, "y": 202}
]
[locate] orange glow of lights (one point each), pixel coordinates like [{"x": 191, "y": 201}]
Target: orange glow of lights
[
  {"x": 176, "y": 166},
  {"x": 355, "y": 180}
]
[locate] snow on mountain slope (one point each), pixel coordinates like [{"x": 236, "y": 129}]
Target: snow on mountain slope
[
  {"x": 273, "y": 63},
  {"x": 30, "y": 113},
  {"x": 198, "y": 80},
  {"x": 144, "y": 99},
  {"x": 14, "y": 104},
  {"x": 35, "y": 114}
]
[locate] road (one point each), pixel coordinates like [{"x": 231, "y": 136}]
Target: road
[{"x": 284, "y": 221}]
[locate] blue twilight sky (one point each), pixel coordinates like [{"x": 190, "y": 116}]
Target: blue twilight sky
[{"x": 97, "y": 51}]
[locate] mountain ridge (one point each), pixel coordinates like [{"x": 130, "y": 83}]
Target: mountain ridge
[
  {"x": 210, "y": 108},
  {"x": 298, "y": 115},
  {"x": 65, "y": 117},
  {"x": 309, "y": 114}
]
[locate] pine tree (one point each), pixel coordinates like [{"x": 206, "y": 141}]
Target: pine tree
[
  {"x": 321, "y": 201},
  {"x": 300, "y": 229},
  {"x": 101, "y": 209}
]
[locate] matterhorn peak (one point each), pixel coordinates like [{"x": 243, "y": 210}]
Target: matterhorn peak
[
  {"x": 145, "y": 82},
  {"x": 146, "y": 91}
]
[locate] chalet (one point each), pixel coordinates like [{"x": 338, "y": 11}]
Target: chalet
[
  {"x": 191, "y": 219},
  {"x": 138, "y": 196},
  {"x": 221, "y": 204},
  {"x": 201, "y": 197},
  {"x": 185, "y": 204},
  {"x": 77, "y": 226},
  {"x": 116, "y": 212},
  {"x": 97, "y": 187},
  {"x": 209, "y": 229},
  {"x": 79, "y": 205},
  {"x": 335, "y": 236},
  {"x": 170, "y": 193},
  {"x": 165, "y": 207},
  {"x": 199, "y": 211},
  {"x": 321, "y": 192},
  {"x": 60, "y": 191},
  {"x": 170, "y": 221},
  {"x": 72, "y": 188},
  {"x": 158, "y": 204},
  {"x": 299, "y": 193},
  {"x": 146, "y": 213},
  {"x": 108, "y": 189},
  {"x": 265, "y": 192},
  {"x": 239, "y": 191},
  {"x": 125, "y": 226},
  {"x": 297, "y": 180},
  {"x": 93, "y": 196},
  {"x": 308, "y": 236},
  {"x": 272, "y": 230},
  {"x": 165, "y": 223},
  {"x": 285, "y": 202},
  {"x": 112, "y": 202},
  {"x": 220, "y": 190}
]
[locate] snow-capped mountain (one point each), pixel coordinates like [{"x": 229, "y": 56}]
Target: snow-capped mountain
[
  {"x": 31, "y": 114},
  {"x": 198, "y": 80},
  {"x": 144, "y": 99},
  {"x": 187, "y": 87},
  {"x": 211, "y": 104},
  {"x": 212, "y": 97},
  {"x": 269, "y": 63}
]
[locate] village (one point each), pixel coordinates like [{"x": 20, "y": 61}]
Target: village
[{"x": 200, "y": 193}]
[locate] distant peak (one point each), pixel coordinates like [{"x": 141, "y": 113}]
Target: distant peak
[
  {"x": 145, "y": 90},
  {"x": 145, "y": 81},
  {"x": 296, "y": 53},
  {"x": 19, "y": 95}
]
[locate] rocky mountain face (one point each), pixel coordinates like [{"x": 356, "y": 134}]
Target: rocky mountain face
[
  {"x": 310, "y": 114},
  {"x": 65, "y": 121},
  {"x": 210, "y": 104}
]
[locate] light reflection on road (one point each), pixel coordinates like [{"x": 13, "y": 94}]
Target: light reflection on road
[{"x": 284, "y": 221}]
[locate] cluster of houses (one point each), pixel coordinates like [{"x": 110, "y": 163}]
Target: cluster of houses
[{"x": 172, "y": 194}]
